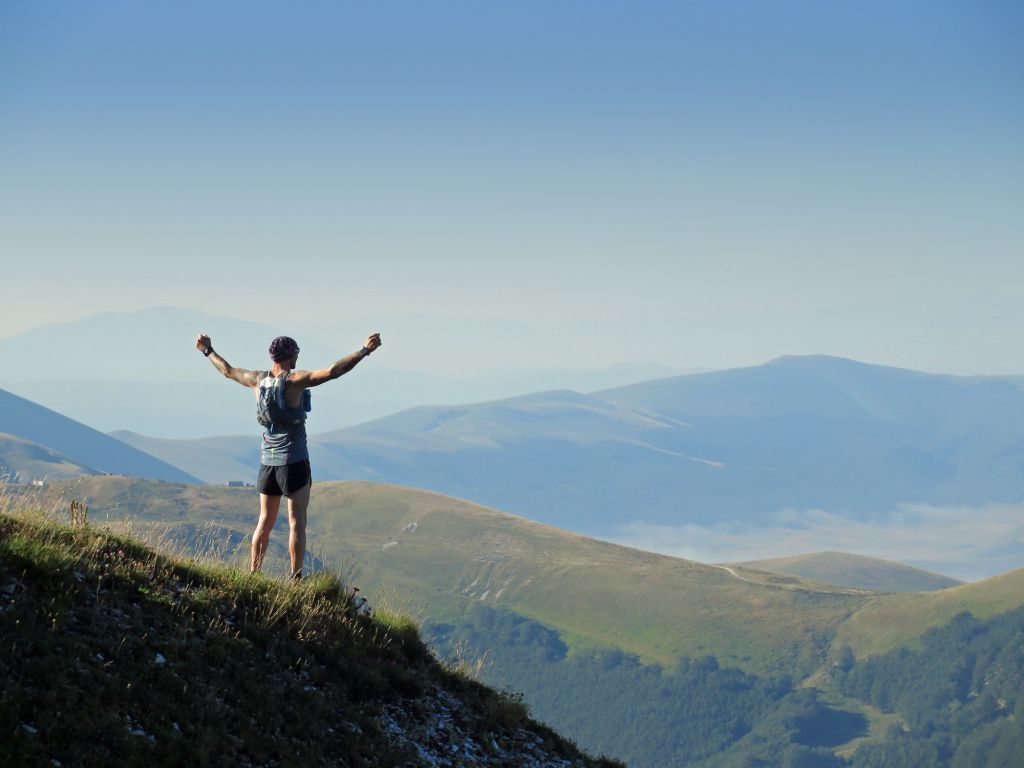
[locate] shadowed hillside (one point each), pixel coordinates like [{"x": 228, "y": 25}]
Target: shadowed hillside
[
  {"x": 79, "y": 443},
  {"x": 24, "y": 460}
]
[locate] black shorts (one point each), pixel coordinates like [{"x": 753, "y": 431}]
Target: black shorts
[{"x": 290, "y": 477}]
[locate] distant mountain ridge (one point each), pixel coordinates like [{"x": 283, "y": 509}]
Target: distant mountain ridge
[
  {"x": 217, "y": 459},
  {"x": 851, "y": 570},
  {"x": 23, "y": 460},
  {"x": 83, "y": 445},
  {"x": 794, "y": 433},
  {"x": 726, "y": 448},
  {"x": 157, "y": 360}
]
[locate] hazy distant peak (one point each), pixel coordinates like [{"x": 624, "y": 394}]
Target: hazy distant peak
[
  {"x": 851, "y": 570},
  {"x": 81, "y": 444},
  {"x": 813, "y": 359}
]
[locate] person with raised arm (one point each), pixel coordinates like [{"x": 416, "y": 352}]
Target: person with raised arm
[{"x": 282, "y": 401}]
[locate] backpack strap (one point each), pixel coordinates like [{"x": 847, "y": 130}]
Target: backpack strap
[{"x": 282, "y": 379}]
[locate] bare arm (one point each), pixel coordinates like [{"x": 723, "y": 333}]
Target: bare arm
[
  {"x": 306, "y": 379},
  {"x": 246, "y": 378}
]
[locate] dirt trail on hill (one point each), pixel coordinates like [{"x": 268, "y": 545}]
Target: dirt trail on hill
[
  {"x": 731, "y": 572},
  {"x": 839, "y": 590}
]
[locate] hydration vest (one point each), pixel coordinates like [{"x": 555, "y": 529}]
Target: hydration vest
[{"x": 271, "y": 409}]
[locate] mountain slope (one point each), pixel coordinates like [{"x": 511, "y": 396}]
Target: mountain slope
[
  {"x": 80, "y": 443},
  {"x": 127, "y": 656},
  {"x": 889, "y": 621},
  {"x": 855, "y": 571},
  {"x": 211, "y": 459},
  {"x": 24, "y": 461},
  {"x": 443, "y": 554},
  {"x": 723, "y": 648},
  {"x": 940, "y": 438},
  {"x": 730, "y": 448}
]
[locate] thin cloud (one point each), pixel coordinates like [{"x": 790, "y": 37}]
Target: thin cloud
[{"x": 968, "y": 543}]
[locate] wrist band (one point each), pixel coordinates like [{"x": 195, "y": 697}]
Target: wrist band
[
  {"x": 207, "y": 351},
  {"x": 365, "y": 351}
]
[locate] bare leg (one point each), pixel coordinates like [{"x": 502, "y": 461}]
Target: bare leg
[
  {"x": 269, "y": 506},
  {"x": 298, "y": 503}
]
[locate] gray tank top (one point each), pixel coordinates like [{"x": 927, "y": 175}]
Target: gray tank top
[{"x": 284, "y": 440}]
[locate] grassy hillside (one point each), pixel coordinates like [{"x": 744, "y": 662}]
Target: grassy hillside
[
  {"x": 446, "y": 552},
  {"x": 570, "y": 621},
  {"x": 439, "y": 555},
  {"x": 889, "y": 621},
  {"x": 115, "y": 653},
  {"x": 856, "y": 571}
]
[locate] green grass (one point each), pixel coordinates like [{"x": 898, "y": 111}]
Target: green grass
[
  {"x": 890, "y": 621},
  {"x": 451, "y": 553},
  {"x": 116, "y": 653}
]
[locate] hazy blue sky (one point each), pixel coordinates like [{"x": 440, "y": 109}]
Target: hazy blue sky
[{"x": 689, "y": 183}]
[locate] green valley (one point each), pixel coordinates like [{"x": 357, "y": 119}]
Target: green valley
[{"x": 655, "y": 660}]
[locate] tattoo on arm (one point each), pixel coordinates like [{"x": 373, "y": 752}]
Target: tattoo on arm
[
  {"x": 346, "y": 364},
  {"x": 242, "y": 376}
]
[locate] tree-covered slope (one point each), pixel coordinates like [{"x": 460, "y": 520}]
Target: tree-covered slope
[{"x": 960, "y": 694}]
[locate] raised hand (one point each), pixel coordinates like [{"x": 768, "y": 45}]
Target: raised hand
[{"x": 203, "y": 343}]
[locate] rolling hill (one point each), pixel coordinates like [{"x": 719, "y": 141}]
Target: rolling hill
[
  {"x": 819, "y": 432},
  {"x": 74, "y": 444},
  {"x": 657, "y": 660},
  {"x": 24, "y": 461},
  {"x": 212, "y": 459},
  {"x": 855, "y": 571},
  {"x": 723, "y": 454},
  {"x": 894, "y": 620},
  {"x": 442, "y": 554}
]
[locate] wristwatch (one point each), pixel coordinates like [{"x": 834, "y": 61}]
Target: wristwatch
[
  {"x": 207, "y": 351},
  {"x": 365, "y": 351}
]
